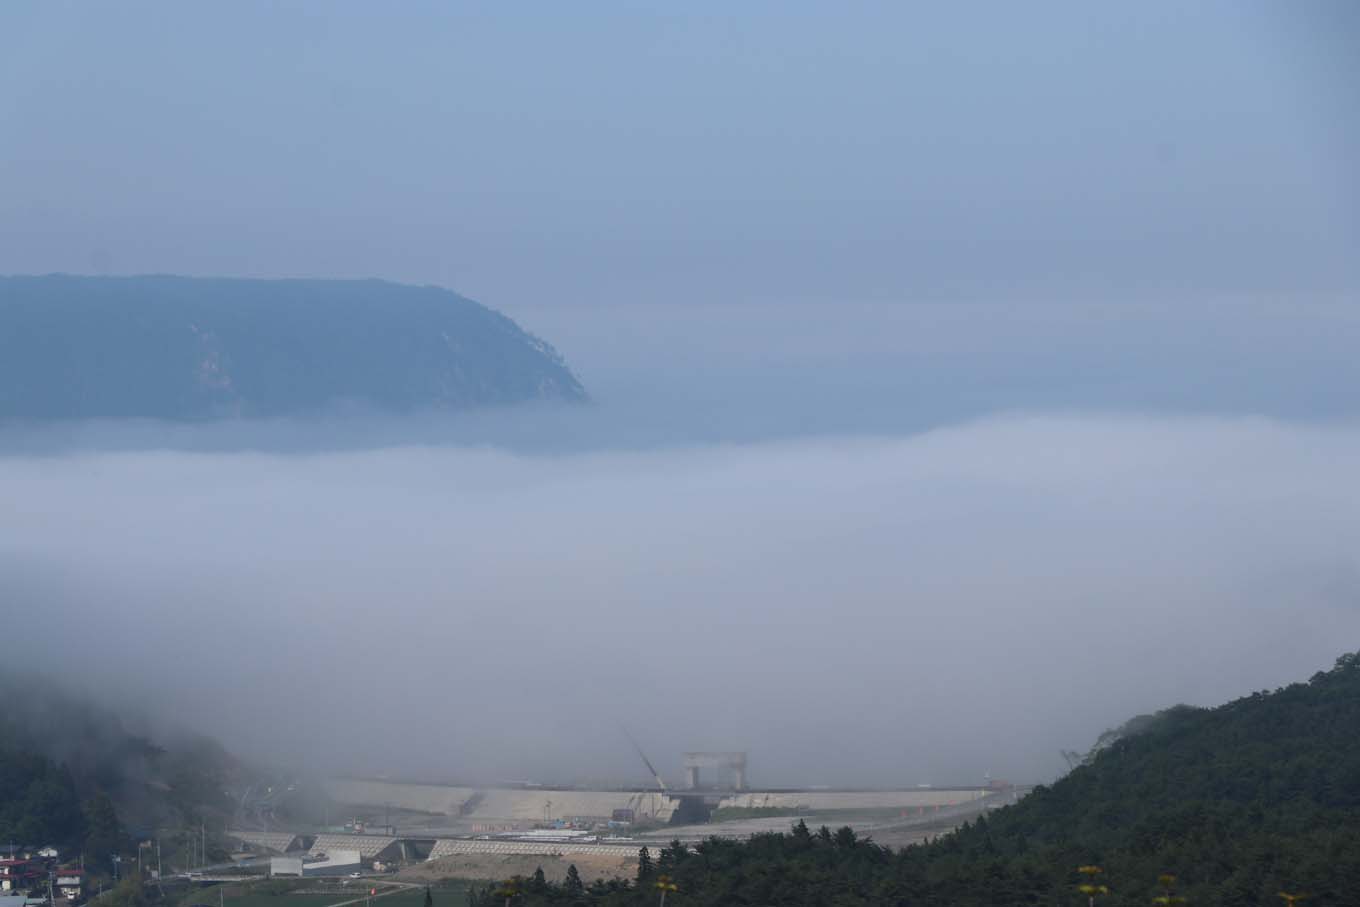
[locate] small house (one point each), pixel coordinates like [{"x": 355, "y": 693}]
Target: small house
[
  {"x": 17, "y": 875},
  {"x": 71, "y": 883}
]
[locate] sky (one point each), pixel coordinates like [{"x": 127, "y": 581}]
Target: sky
[
  {"x": 563, "y": 155},
  {"x": 965, "y": 379}
]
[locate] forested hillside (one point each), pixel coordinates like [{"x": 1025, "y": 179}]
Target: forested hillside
[
  {"x": 80, "y": 776},
  {"x": 190, "y": 349},
  {"x": 1238, "y": 803}
]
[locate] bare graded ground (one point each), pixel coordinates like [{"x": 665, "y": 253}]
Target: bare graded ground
[{"x": 499, "y": 866}]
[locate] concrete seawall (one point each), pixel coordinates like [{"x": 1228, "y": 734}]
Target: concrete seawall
[
  {"x": 848, "y": 800},
  {"x": 497, "y": 805},
  {"x": 530, "y": 805}
]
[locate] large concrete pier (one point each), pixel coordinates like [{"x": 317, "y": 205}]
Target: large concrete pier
[{"x": 455, "y": 806}]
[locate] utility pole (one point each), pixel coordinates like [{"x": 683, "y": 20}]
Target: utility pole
[{"x": 158, "y": 859}]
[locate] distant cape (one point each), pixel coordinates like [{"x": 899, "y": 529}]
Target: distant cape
[{"x": 183, "y": 348}]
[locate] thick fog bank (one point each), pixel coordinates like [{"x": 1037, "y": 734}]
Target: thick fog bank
[{"x": 871, "y": 612}]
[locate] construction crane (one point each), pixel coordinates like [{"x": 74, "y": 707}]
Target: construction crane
[{"x": 647, "y": 762}]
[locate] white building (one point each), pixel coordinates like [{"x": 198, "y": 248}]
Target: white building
[
  {"x": 335, "y": 863},
  {"x": 71, "y": 883},
  {"x": 285, "y": 866}
]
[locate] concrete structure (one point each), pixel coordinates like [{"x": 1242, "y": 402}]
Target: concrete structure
[
  {"x": 452, "y": 847},
  {"x": 285, "y": 866},
  {"x": 496, "y": 805},
  {"x": 369, "y": 847},
  {"x": 734, "y": 761},
  {"x": 851, "y": 800},
  {"x": 492, "y": 809},
  {"x": 272, "y": 841}
]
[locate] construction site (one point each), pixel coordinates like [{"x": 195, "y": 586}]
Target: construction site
[{"x": 431, "y": 831}]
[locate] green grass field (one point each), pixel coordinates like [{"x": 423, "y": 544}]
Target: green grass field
[
  {"x": 448, "y": 894},
  {"x": 281, "y": 900}
]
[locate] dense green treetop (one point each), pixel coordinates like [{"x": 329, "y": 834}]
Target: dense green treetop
[{"x": 82, "y": 776}]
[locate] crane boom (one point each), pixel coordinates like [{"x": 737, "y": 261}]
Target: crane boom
[{"x": 645, "y": 761}]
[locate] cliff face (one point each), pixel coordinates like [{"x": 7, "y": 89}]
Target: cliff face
[{"x": 188, "y": 348}]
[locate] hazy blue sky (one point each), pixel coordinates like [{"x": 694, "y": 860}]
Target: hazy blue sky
[{"x": 624, "y": 153}]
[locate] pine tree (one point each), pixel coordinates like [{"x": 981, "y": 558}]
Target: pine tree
[
  {"x": 104, "y": 833},
  {"x": 644, "y": 870},
  {"x": 540, "y": 882},
  {"x": 572, "y": 884}
]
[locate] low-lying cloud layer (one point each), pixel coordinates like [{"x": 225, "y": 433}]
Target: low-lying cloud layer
[{"x": 922, "y": 609}]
